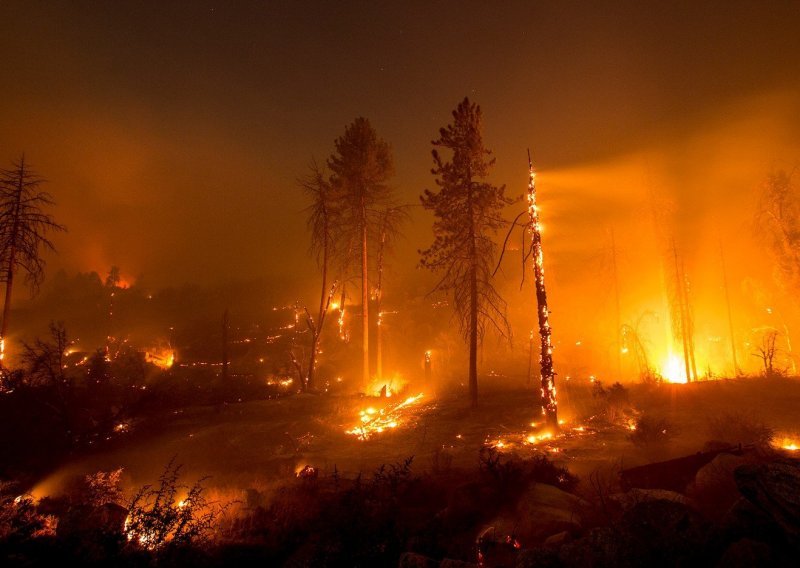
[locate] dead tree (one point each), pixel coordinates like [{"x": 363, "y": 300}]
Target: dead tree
[
  {"x": 549, "y": 403},
  {"x": 767, "y": 351},
  {"x": 323, "y": 217},
  {"x": 23, "y": 232}
]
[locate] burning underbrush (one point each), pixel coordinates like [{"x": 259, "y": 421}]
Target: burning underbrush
[{"x": 387, "y": 414}]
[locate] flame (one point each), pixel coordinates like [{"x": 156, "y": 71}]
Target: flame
[
  {"x": 673, "y": 370},
  {"x": 161, "y": 358}
]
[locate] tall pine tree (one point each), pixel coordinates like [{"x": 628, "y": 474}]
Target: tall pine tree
[
  {"x": 468, "y": 212},
  {"x": 361, "y": 166}
]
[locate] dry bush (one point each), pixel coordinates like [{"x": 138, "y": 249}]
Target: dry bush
[
  {"x": 652, "y": 433},
  {"x": 612, "y": 402},
  {"x": 157, "y": 517},
  {"x": 740, "y": 428}
]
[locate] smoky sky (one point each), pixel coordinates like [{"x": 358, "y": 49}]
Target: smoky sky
[{"x": 172, "y": 133}]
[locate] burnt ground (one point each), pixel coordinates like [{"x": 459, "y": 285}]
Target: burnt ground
[{"x": 252, "y": 444}]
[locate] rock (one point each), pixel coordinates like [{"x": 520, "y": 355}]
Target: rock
[
  {"x": 653, "y": 532},
  {"x": 775, "y": 489},
  {"x": 543, "y": 510},
  {"x": 719, "y": 470},
  {"x": 600, "y": 547},
  {"x": 633, "y": 497},
  {"x": 744, "y": 519},
  {"x": 714, "y": 489},
  {"x": 414, "y": 560},
  {"x": 537, "y": 558},
  {"x": 558, "y": 539},
  {"x": 745, "y": 553},
  {"x": 662, "y": 520},
  {"x": 450, "y": 563}
]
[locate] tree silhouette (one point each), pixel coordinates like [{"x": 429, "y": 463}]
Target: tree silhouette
[
  {"x": 23, "y": 232},
  {"x": 323, "y": 223},
  {"x": 361, "y": 166},
  {"x": 468, "y": 212}
]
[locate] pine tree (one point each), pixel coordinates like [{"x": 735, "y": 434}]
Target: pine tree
[
  {"x": 468, "y": 212},
  {"x": 361, "y": 165}
]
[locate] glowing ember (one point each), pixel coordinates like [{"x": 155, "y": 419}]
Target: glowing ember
[{"x": 376, "y": 421}]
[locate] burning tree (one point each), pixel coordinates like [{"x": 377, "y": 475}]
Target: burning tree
[
  {"x": 468, "y": 211},
  {"x": 549, "y": 403},
  {"x": 361, "y": 165},
  {"x": 23, "y": 232}
]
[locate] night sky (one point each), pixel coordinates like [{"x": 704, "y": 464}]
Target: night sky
[{"x": 173, "y": 133}]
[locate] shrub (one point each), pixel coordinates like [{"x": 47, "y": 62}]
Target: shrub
[
  {"x": 651, "y": 432},
  {"x": 740, "y": 428},
  {"x": 157, "y": 517}
]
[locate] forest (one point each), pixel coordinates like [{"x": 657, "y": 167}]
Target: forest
[{"x": 304, "y": 285}]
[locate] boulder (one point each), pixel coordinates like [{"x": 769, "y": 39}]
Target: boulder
[
  {"x": 542, "y": 510},
  {"x": 451, "y": 563},
  {"x": 414, "y": 560},
  {"x": 718, "y": 472},
  {"x": 556, "y": 540},
  {"x": 538, "y": 558},
  {"x": 746, "y": 553},
  {"x": 653, "y": 532},
  {"x": 775, "y": 489},
  {"x": 633, "y": 497}
]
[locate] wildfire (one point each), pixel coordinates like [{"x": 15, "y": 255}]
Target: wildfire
[
  {"x": 789, "y": 444},
  {"x": 378, "y": 420}
]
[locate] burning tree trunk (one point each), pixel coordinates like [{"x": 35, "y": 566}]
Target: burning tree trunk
[{"x": 549, "y": 403}]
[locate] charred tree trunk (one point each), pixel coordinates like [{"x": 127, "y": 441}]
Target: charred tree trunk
[{"x": 549, "y": 403}]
